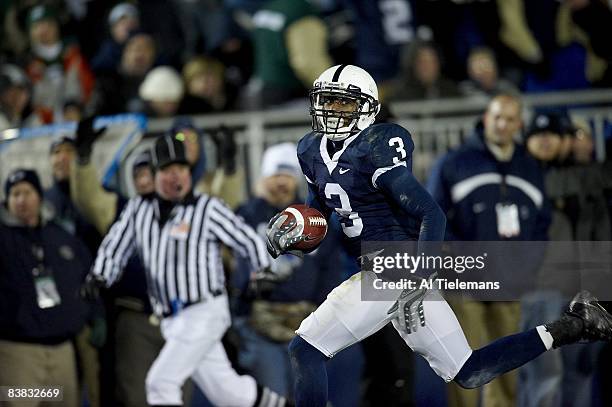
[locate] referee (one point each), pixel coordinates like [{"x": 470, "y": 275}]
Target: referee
[{"x": 178, "y": 235}]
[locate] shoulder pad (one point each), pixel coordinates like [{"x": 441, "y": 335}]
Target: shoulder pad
[
  {"x": 307, "y": 150},
  {"x": 388, "y": 144},
  {"x": 310, "y": 140}
]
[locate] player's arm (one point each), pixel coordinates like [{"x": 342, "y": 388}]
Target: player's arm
[
  {"x": 390, "y": 155},
  {"x": 281, "y": 236},
  {"x": 403, "y": 187}
]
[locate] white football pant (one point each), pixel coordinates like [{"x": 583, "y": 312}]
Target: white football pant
[{"x": 344, "y": 319}]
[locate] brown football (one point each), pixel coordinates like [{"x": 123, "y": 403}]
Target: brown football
[{"x": 314, "y": 226}]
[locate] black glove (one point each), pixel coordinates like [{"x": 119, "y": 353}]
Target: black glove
[
  {"x": 85, "y": 137},
  {"x": 90, "y": 290},
  {"x": 225, "y": 141}
]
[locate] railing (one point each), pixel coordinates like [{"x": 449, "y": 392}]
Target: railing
[{"x": 436, "y": 125}]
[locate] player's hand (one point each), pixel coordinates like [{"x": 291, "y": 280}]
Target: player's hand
[
  {"x": 90, "y": 289},
  {"x": 281, "y": 237},
  {"x": 86, "y": 137}
]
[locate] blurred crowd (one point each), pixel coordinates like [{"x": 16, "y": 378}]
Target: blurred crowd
[{"x": 62, "y": 61}]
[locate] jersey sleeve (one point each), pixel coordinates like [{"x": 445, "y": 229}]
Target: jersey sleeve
[
  {"x": 303, "y": 154},
  {"x": 388, "y": 146}
]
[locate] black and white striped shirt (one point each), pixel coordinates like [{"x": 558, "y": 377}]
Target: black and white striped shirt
[{"x": 182, "y": 256}]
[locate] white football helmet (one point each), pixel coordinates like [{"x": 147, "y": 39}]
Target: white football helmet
[{"x": 347, "y": 83}]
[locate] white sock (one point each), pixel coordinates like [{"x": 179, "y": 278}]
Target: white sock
[{"x": 546, "y": 337}]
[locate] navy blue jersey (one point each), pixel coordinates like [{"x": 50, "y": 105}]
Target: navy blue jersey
[{"x": 346, "y": 182}]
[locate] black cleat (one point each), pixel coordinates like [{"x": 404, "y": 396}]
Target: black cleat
[
  {"x": 597, "y": 322},
  {"x": 585, "y": 321}
]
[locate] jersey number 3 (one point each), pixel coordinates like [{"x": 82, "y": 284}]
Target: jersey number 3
[
  {"x": 350, "y": 221},
  {"x": 400, "y": 149}
]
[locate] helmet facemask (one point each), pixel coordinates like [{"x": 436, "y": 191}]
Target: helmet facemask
[{"x": 337, "y": 124}]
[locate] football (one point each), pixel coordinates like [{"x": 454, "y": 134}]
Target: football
[{"x": 313, "y": 223}]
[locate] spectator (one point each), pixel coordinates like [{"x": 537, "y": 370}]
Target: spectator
[
  {"x": 73, "y": 111},
  {"x": 582, "y": 147},
  {"x": 62, "y": 155},
  {"x": 166, "y": 31},
  {"x": 226, "y": 181},
  {"x": 579, "y": 213},
  {"x": 268, "y": 322},
  {"x": 540, "y": 381},
  {"x": 205, "y": 23},
  {"x": 123, "y": 19},
  {"x": 162, "y": 91},
  {"x": 13, "y": 40},
  {"x": 484, "y": 80},
  {"x": 40, "y": 308},
  {"x": 380, "y": 32},
  {"x": 204, "y": 80},
  {"x": 472, "y": 186},
  {"x": 56, "y": 67},
  {"x": 594, "y": 18},
  {"x": 575, "y": 190},
  {"x": 15, "y": 95},
  {"x": 568, "y": 61},
  {"x": 421, "y": 76},
  {"x": 117, "y": 91},
  {"x": 290, "y": 51},
  {"x": 568, "y": 131},
  {"x": 142, "y": 174}
]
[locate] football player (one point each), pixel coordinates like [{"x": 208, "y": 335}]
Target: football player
[{"x": 363, "y": 172}]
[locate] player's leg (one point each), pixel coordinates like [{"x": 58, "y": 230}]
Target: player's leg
[
  {"x": 585, "y": 320},
  {"x": 432, "y": 331},
  {"x": 342, "y": 320},
  {"x": 189, "y": 336}
]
